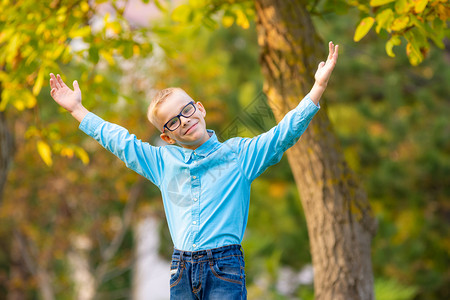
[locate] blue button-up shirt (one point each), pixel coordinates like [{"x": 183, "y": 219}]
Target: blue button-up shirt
[{"x": 206, "y": 191}]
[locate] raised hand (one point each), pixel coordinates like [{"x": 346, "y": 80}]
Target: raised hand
[
  {"x": 66, "y": 97},
  {"x": 63, "y": 95},
  {"x": 324, "y": 70}
]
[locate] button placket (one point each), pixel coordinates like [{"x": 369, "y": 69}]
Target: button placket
[{"x": 195, "y": 207}]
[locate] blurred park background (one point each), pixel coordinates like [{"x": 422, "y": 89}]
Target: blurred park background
[{"x": 76, "y": 224}]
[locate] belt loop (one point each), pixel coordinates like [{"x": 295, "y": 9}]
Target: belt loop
[
  {"x": 242, "y": 250},
  {"x": 210, "y": 257},
  {"x": 181, "y": 258}
]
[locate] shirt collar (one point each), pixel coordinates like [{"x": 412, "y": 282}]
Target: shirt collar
[{"x": 205, "y": 149}]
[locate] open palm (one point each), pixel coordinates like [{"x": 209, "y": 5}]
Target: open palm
[
  {"x": 324, "y": 70},
  {"x": 63, "y": 95}
]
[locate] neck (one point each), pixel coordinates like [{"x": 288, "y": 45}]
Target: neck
[{"x": 195, "y": 144}]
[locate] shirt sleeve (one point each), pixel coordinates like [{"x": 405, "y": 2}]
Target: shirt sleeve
[
  {"x": 139, "y": 156},
  {"x": 264, "y": 150}
]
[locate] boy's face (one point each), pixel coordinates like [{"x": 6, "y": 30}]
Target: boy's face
[{"x": 192, "y": 130}]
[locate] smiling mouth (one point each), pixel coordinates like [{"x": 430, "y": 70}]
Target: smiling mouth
[{"x": 187, "y": 131}]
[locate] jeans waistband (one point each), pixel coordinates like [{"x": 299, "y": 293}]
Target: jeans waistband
[{"x": 215, "y": 253}]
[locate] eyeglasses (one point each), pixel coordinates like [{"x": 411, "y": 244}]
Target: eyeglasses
[{"x": 175, "y": 122}]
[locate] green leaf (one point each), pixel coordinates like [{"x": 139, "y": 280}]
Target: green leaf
[
  {"x": 181, "y": 13},
  {"x": 93, "y": 54},
  {"x": 414, "y": 55},
  {"x": 363, "y": 28},
  {"x": 413, "y": 49},
  {"x": 45, "y": 152},
  {"x": 160, "y": 6},
  {"x": 380, "y": 2},
  {"x": 209, "y": 22},
  {"x": 127, "y": 50},
  {"x": 419, "y": 38}
]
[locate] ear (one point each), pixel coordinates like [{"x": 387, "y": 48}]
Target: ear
[
  {"x": 201, "y": 108},
  {"x": 167, "y": 138}
]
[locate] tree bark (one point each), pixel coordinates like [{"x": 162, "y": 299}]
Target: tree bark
[
  {"x": 6, "y": 151},
  {"x": 340, "y": 221}
]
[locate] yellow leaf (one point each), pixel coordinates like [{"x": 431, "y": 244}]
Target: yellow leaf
[
  {"x": 84, "y": 6},
  {"x": 227, "y": 21},
  {"x": 363, "y": 28},
  {"x": 39, "y": 81},
  {"x": 5, "y": 94},
  {"x": 393, "y": 41},
  {"x": 82, "y": 155},
  {"x": 197, "y": 3},
  {"x": 181, "y": 13},
  {"x": 68, "y": 152},
  {"x": 136, "y": 50},
  {"x": 420, "y": 6},
  {"x": 242, "y": 20},
  {"x": 380, "y": 2},
  {"x": 29, "y": 100},
  {"x": 45, "y": 152},
  {"x": 108, "y": 57},
  {"x": 80, "y": 32},
  {"x": 400, "y": 23},
  {"x": 384, "y": 20},
  {"x": 402, "y": 6}
]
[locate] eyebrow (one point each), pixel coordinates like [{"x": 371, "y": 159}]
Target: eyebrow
[{"x": 180, "y": 109}]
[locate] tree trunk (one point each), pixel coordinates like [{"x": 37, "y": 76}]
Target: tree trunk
[
  {"x": 6, "y": 151},
  {"x": 340, "y": 222}
]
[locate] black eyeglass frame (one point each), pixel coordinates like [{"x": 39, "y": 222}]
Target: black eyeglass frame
[{"x": 180, "y": 115}]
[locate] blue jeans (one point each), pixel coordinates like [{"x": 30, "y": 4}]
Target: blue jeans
[{"x": 213, "y": 274}]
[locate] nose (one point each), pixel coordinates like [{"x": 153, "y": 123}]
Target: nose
[{"x": 184, "y": 121}]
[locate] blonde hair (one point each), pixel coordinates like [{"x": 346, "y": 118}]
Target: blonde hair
[{"x": 160, "y": 97}]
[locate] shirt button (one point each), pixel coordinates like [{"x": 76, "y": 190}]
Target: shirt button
[
  {"x": 195, "y": 222},
  {"x": 194, "y": 245},
  {"x": 194, "y": 177},
  {"x": 195, "y": 199}
]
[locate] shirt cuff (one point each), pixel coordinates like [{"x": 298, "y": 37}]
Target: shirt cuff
[
  {"x": 89, "y": 123},
  {"x": 308, "y": 104}
]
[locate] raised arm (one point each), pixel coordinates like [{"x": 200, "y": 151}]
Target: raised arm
[
  {"x": 260, "y": 152},
  {"x": 67, "y": 98},
  {"x": 139, "y": 156},
  {"x": 323, "y": 73}
]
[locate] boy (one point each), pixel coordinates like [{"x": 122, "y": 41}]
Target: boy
[{"x": 205, "y": 184}]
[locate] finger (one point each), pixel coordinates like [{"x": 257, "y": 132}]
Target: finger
[
  {"x": 321, "y": 64},
  {"x": 56, "y": 83},
  {"x": 330, "y": 50},
  {"x": 52, "y": 80},
  {"x": 76, "y": 87},
  {"x": 335, "y": 54},
  {"x": 52, "y": 92},
  {"x": 60, "y": 81}
]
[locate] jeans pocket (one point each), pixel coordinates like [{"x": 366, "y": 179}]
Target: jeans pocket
[
  {"x": 228, "y": 269},
  {"x": 176, "y": 270}
]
